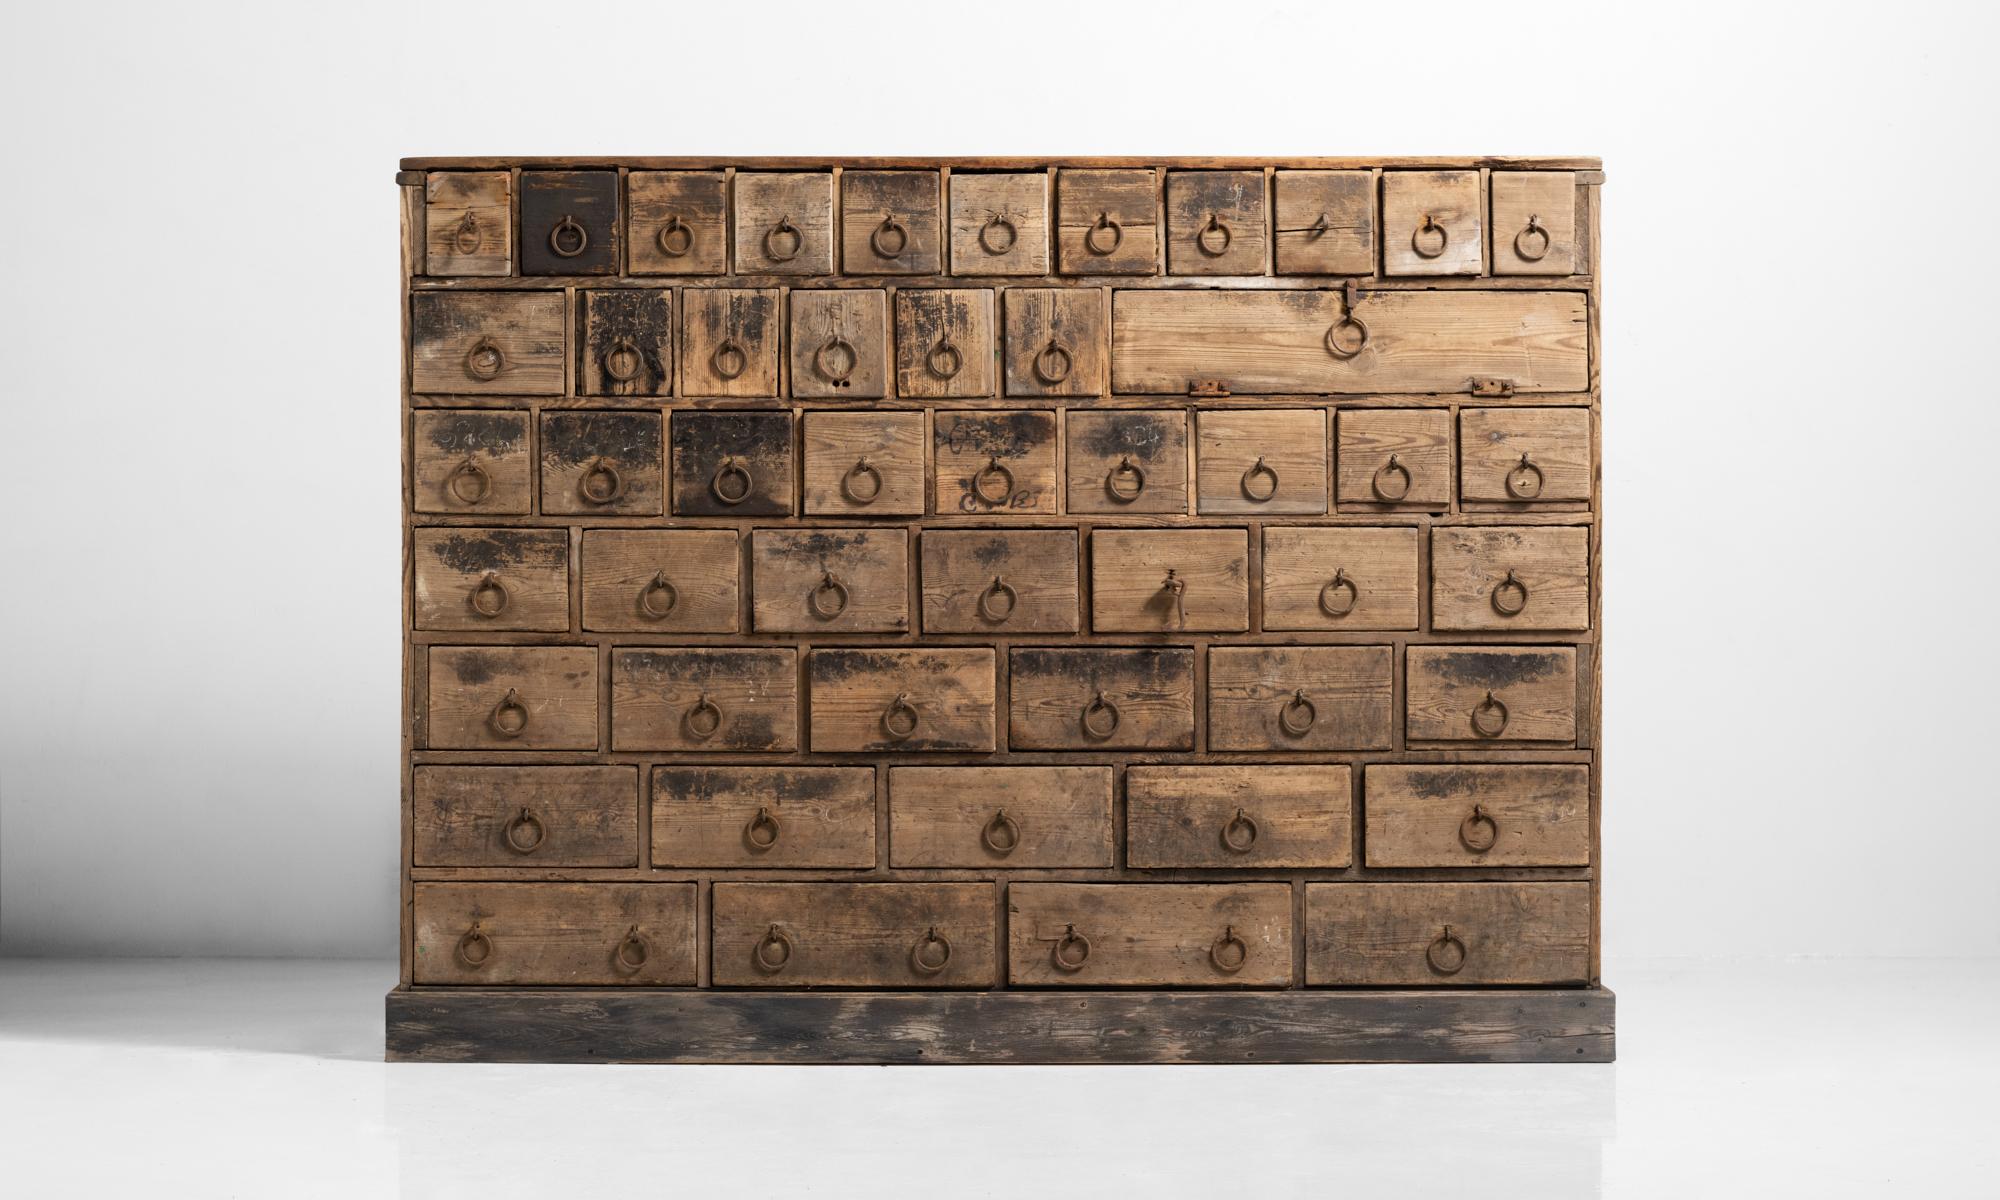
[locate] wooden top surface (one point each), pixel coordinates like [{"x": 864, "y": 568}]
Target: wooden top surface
[{"x": 645, "y": 162}]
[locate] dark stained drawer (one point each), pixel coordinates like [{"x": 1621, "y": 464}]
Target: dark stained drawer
[
  {"x": 512, "y": 579},
  {"x": 556, "y": 934},
  {"x": 1003, "y": 581},
  {"x": 1000, "y": 816},
  {"x": 471, "y": 461},
  {"x": 602, "y": 462},
  {"x": 1239, "y": 816},
  {"x": 902, "y": 700},
  {"x": 570, "y": 223},
  {"x": 685, "y": 698},
  {"x": 732, "y": 464},
  {"x": 627, "y": 337},
  {"x": 1447, "y": 934},
  {"x": 526, "y": 816},
  {"x": 1491, "y": 693},
  {"x": 896, "y": 935},
  {"x": 779, "y": 817},
  {"x": 1149, "y": 935},
  {"x": 1301, "y": 697},
  {"x": 1467, "y": 815},
  {"x": 486, "y": 343},
  {"x": 512, "y": 698},
  {"x": 1101, "y": 699}
]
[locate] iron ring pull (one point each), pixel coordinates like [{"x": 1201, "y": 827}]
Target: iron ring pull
[
  {"x": 658, "y": 585},
  {"x": 501, "y": 723},
  {"x": 849, "y": 483},
  {"x": 489, "y": 585},
  {"x": 829, "y": 585},
  {"x": 1453, "y": 959},
  {"x": 1264, "y": 469},
  {"x": 485, "y": 361},
  {"x": 1214, "y": 226},
  {"x": 1479, "y": 832},
  {"x": 888, "y": 226},
  {"x": 1489, "y": 717},
  {"x": 1126, "y": 470},
  {"x": 1091, "y": 725},
  {"x": 623, "y": 360},
  {"x": 614, "y": 483},
  {"x": 1534, "y": 228},
  {"x": 993, "y": 469},
  {"x": 998, "y": 221},
  {"x": 1053, "y": 363},
  {"x": 762, "y": 831},
  {"x": 944, "y": 360},
  {"x": 469, "y": 469},
  {"x": 728, "y": 360},
  {"x": 1101, "y": 225},
  {"x": 774, "y": 939},
  {"x": 633, "y": 940},
  {"x": 1001, "y": 590},
  {"x": 1001, "y": 824},
  {"x": 900, "y": 729},
  {"x": 466, "y": 238},
  {"x": 732, "y": 468},
  {"x": 1340, "y": 347},
  {"x": 698, "y": 727},
  {"x": 1381, "y": 484},
  {"x": 1063, "y": 957},
  {"x": 517, "y": 825},
  {"x": 474, "y": 937},
  {"x": 1510, "y": 596},
  {"x": 835, "y": 370},
  {"x": 1220, "y": 957},
  {"x": 1299, "y": 726},
  {"x": 1339, "y": 585},
  {"x": 1240, "y": 833},
  {"x": 1525, "y": 479},
  {"x": 676, "y": 237},
  {"x": 925, "y": 966},
  {"x": 784, "y": 228},
  {"x": 1431, "y": 226},
  {"x": 568, "y": 228}
]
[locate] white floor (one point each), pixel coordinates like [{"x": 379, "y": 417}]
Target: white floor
[{"x": 263, "y": 1079}]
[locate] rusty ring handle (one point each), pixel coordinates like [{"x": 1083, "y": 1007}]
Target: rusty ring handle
[
  {"x": 1103, "y": 222},
  {"x": 1525, "y": 479},
  {"x": 1489, "y": 717},
  {"x": 900, "y": 730},
  {"x": 659, "y": 584},
  {"x": 769, "y": 827},
  {"x": 1383, "y": 488},
  {"x": 1090, "y": 711},
  {"x": 510, "y": 703},
  {"x": 634, "y": 939},
  {"x": 1339, "y": 347},
  {"x": 889, "y": 225},
  {"x": 601, "y": 469},
  {"x": 1065, "y": 962},
  {"x": 1053, "y": 363},
  {"x": 469, "y": 469},
  {"x": 1001, "y": 589},
  {"x": 1214, "y": 226},
  {"x": 525, "y": 819},
  {"x": 1510, "y": 596},
  {"x": 1430, "y": 225},
  {"x": 924, "y": 966},
  {"x": 1239, "y": 843},
  {"x": 1536, "y": 228},
  {"x": 473, "y": 936},
  {"x": 829, "y": 585},
  {"x": 622, "y": 361},
  {"x": 949, "y": 353},
  {"x": 698, "y": 729},
  {"x": 1260, "y": 467},
  {"x": 1340, "y": 584},
  {"x": 1219, "y": 957},
  {"x": 784, "y": 228},
  {"x": 466, "y": 237},
  {"x": 998, "y": 221},
  {"x": 774, "y": 938},
  {"x": 1455, "y": 949},
  {"x": 1300, "y": 704},
  {"x": 489, "y": 585},
  {"x": 567, "y": 227},
  {"x": 732, "y": 468},
  {"x": 669, "y": 244},
  {"x": 485, "y": 361},
  {"x": 996, "y": 469},
  {"x": 825, "y": 365},
  {"x": 1125, "y": 470},
  {"x": 850, "y": 481},
  {"x": 738, "y": 361},
  {"x": 1001, "y": 824},
  {"x": 1470, "y": 833}
]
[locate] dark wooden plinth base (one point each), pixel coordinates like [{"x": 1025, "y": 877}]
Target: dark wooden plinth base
[{"x": 607, "y": 1025}]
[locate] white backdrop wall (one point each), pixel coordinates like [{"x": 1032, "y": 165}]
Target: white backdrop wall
[{"x": 198, "y": 562}]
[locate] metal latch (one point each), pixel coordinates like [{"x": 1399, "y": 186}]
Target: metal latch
[
  {"x": 1492, "y": 387},
  {"x": 1205, "y": 389}
]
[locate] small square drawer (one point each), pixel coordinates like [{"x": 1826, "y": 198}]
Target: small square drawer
[
  {"x": 1325, "y": 222},
  {"x": 864, "y": 464},
  {"x": 486, "y": 343},
  {"x": 833, "y": 580},
  {"x": 784, "y": 223},
  {"x": 1105, "y": 222},
  {"x": 670, "y": 580},
  {"x": 1000, "y": 463},
  {"x": 1000, "y": 224},
  {"x": 526, "y": 817},
  {"x": 899, "y": 935},
  {"x": 1430, "y": 223},
  {"x": 471, "y": 461},
  {"x": 686, "y": 698},
  {"x": 1101, "y": 699},
  {"x": 979, "y": 817},
  {"x": 1337, "y": 577},
  {"x": 1301, "y": 697},
  {"x": 512, "y": 698},
  {"x": 1447, "y": 934},
  {"x": 1055, "y": 342},
  {"x": 1149, "y": 934},
  {"x": 901, "y": 700},
  {"x": 1491, "y": 694},
  {"x": 889, "y": 223},
  {"x": 1127, "y": 462},
  {"x": 1510, "y": 577},
  {"x": 680, "y": 223},
  {"x": 840, "y": 344},
  {"x": 1260, "y": 461},
  {"x": 602, "y": 462},
  {"x": 569, "y": 222},
  {"x": 1394, "y": 458},
  {"x": 999, "y": 581},
  {"x": 1261, "y": 817},
  {"x": 1169, "y": 580},
  {"x": 1524, "y": 455},
  {"x": 628, "y": 342},
  {"x": 559, "y": 934},
  {"x": 944, "y": 343},
  {"x": 1215, "y": 222},
  {"x": 468, "y": 223},
  {"x": 730, "y": 464},
  {"x": 1534, "y": 222},
  {"x": 1463, "y": 815},
  {"x": 729, "y": 342},
  {"x": 770, "y": 817},
  {"x": 514, "y": 579}
]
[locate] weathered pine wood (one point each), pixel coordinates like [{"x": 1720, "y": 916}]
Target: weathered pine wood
[
  {"x": 1000, "y": 816},
  {"x": 690, "y": 699},
  {"x": 1149, "y": 935},
  {"x": 583, "y": 816},
  {"x": 770, "y": 817},
  {"x": 1012, "y": 581},
  {"x": 1169, "y": 580},
  {"x": 1510, "y": 577},
  {"x": 830, "y": 580},
  {"x": 1446, "y": 934},
  {"x": 903, "y": 701},
  {"x": 1525, "y": 814},
  {"x": 1265, "y": 817},
  {"x": 670, "y": 581},
  {"x": 563, "y": 934},
  {"x": 900, "y": 935}
]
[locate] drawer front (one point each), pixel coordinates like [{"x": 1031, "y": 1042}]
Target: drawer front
[
  {"x": 705, "y": 700},
  {"x": 889, "y": 223},
  {"x": 774, "y": 817},
  {"x": 569, "y": 223},
  {"x": 526, "y": 817},
  {"x": 1510, "y": 577},
  {"x": 602, "y": 462},
  {"x": 680, "y": 223},
  {"x": 1459, "y": 815},
  {"x": 1127, "y": 462},
  {"x": 840, "y": 344},
  {"x": 978, "y": 817},
  {"x": 1000, "y": 581},
  {"x": 1431, "y": 223},
  {"x": 832, "y": 580},
  {"x": 1447, "y": 934},
  {"x": 1240, "y": 817},
  {"x": 1149, "y": 935},
  {"x": 864, "y": 464},
  {"x": 902, "y": 700},
  {"x": 944, "y": 343},
  {"x": 1215, "y": 223},
  {"x": 784, "y": 223},
  {"x": 1105, "y": 222},
  {"x": 1301, "y": 697},
  {"x": 892, "y": 935},
  {"x": 468, "y": 223},
  {"x": 1260, "y": 461},
  {"x": 1054, "y": 342},
  {"x": 516, "y": 579},
  {"x": 1394, "y": 459},
  {"x": 628, "y": 342},
  {"x": 1000, "y": 463},
  {"x": 1000, "y": 224},
  {"x": 1492, "y": 694},
  {"x": 732, "y": 464},
  {"x": 556, "y": 934},
  {"x": 671, "y": 580},
  {"x": 512, "y": 698},
  {"x": 1169, "y": 580},
  {"x": 471, "y": 462},
  {"x": 1323, "y": 577},
  {"x": 1534, "y": 222},
  {"x": 1101, "y": 699},
  {"x": 729, "y": 342},
  {"x": 1325, "y": 222},
  {"x": 1524, "y": 455},
  {"x": 487, "y": 343}
]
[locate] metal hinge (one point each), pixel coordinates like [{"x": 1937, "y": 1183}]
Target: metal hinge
[
  {"x": 1492, "y": 387},
  {"x": 1207, "y": 388}
]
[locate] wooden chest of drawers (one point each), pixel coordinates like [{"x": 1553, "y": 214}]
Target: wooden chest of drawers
[{"x": 1001, "y": 610}]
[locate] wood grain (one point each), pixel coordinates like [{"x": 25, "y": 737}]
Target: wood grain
[
  {"x": 855, "y": 696},
  {"x": 1387, "y": 934},
  {"x": 1348, "y": 703},
  {"x": 1150, "y": 690},
  {"x": 661, "y": 699},
  {"x": 784, "y": 223},
  {"x": 770, "y": 817},
  {"x": 1216, "y": 223},
  {"x": 1420, "y": 442},
  {"x": 1325, "y": 222},
  {"x": 944, "y": 343},
  {"x": 541, "y": 816},
  {"x": 471, "y": 462},
  {"x": 983, "y": 817},
  {"x": 487, "y": 343},
  {"x": 512, "y": 698},
  {"x": 1445, "y": 200},
  {"x": 1169, "y": 580},
  {"x": 711, "y": 448},
  {"x": 602, "y": 463},
  {"x": 469, "y": 223},
  {"x": 1308, "y": 571},
  {"x": 1054, "y": 343},
  {"x": 729, "y": 342},
  {"x": 492, "y": 579},
  {"x": 1510, "y": 577},
  {"x": 1556, "y": 442},
  {"x": 1150, "y": 935},
  {"x": 626, "y": 338},
  {"x": 1528, "y": 815},
  {"x": 913, "y": 240},
  {"x": 1107, "y": 222},
  {"x": 840, "y": 344},
  {"x": 1126, "y": 462},
  {"x": 997, "y": 463},
  {"x": 555, "y": 205},
  {"x": 1019, "y": 200},
  {"x": 1535, "y": 684},
  {"x": 669, "y": 580},
  {"x": 1290, "y": 444},
  {"x": 837, "y": 580},
  {"x": 1239, "y": 817},
  {"x": 1549, "y": 197},
  {"x": 1000, "y": 581},
  {"x": 864, "y": 464},
  {"x": 855, "y": 935},
  {"x": 564, "y": 934},
  {"x": 684, "y": 211}
]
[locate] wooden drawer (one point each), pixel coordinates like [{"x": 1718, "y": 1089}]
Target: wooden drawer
[
  {"x": 512, "y": 698},
  {"x": 602, "y": 462},
  {"x": 1447, "y": 934},
  {"x": 1461, "y": 815},
  {"x": 999, "y": 463},
  {"x": 1055, "y": 342},
  {"x": 999, "y": 224},
  {"x": 569, "y": 223},
  {"x": 1326, "y": 577},
  {"x": 1301, "y": 697},
  {"x": 772, "y": 817},
  {"x": 1393, "y": 459},
  {"x": 670, "y": 580},
  {"x": 1215, "y": 223},
  {"x": 1105, "y": 222},
  {"x": 1101, "y": 699},
  {"x": 944, "y": 343},
  {"x": 1492, "y": 694},
  {"x": 864, "y": 464},
  {"x": 732, "y": 464},
  {"x": 468, "y": 223},
  {"x": 1534, "y": 222},
  {"x": 558, "y": 934},
  {"x": 1325, "y": 222},
  {"x": 901, "y": 700},
  {"x": 680, "y": 223},
  {"x": 687, "y": 699},
  {"x": 526, "y": 817},
  {"x": 895, "y": 935},
  {"x": 1169, "y": 580},
  {"x": 1000, "y": 816},
  {"x": 833, "y": 580},
  {"x": 515, "y": 579},
  {"x": 889, "y": 223},
  {"x": 784, "y": 223},
  {"x": 1127, "y": 462},
  {"x": 1524, "y": 455},
  {"x": 729, "y": 342},
  {"x": 627, "y": 337},
  {"x": 1260, "y": 461},
  {"x": 999, "y": 581},
  {"x": 471, "y": 462},
  {"x": 1149, "y": 935},
  {"x": 840, "y": 344},
  {"x": 487, "y": 343},
  {"x": 1431, "y": 223},
  {"x": 1239, "y": 816},
  {"x": 1510, "y": 577}
]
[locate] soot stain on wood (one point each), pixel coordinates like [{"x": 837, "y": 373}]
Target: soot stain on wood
[
  {"x": 495, "y": 433},
  {"x": 1442, "y": 783},
  {"x": 999, "y": 435},
  {"x": 995, "y": 551},
  {"x": 743, "y": 316},
  {"x": 820, "y": 544},
  {"x": 705, "y": 666},
  {"x": 492, "y": 550},
  {"x": 1493, "y": 669},
  {"x": 642, "y": 317},
  {"x": 1141, "y": 435},
  {"x": 703, "y": 440},
  {"x": 476, "y": 667},
  {"x": 576, "y": 438}
]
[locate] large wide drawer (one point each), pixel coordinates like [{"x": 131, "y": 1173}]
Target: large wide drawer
[
  {"x": 562, "y": 934},
  {"x": 902, "y": 700},
  {"x": 513, "y": 698},
  {"x": 900, "y": 935},
  {"x": 1239, "y": 816},
  {"x": 526, "y": 817},
  {"x": 1000, "y": 816},
  {"x": 1447, "y": 934},
  {"x": 1101, "y": 699},
  {"x": 763, "y": 816},
  {"x": 1461, "y": 815},
  {"x": 1149, "y": 935}
]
